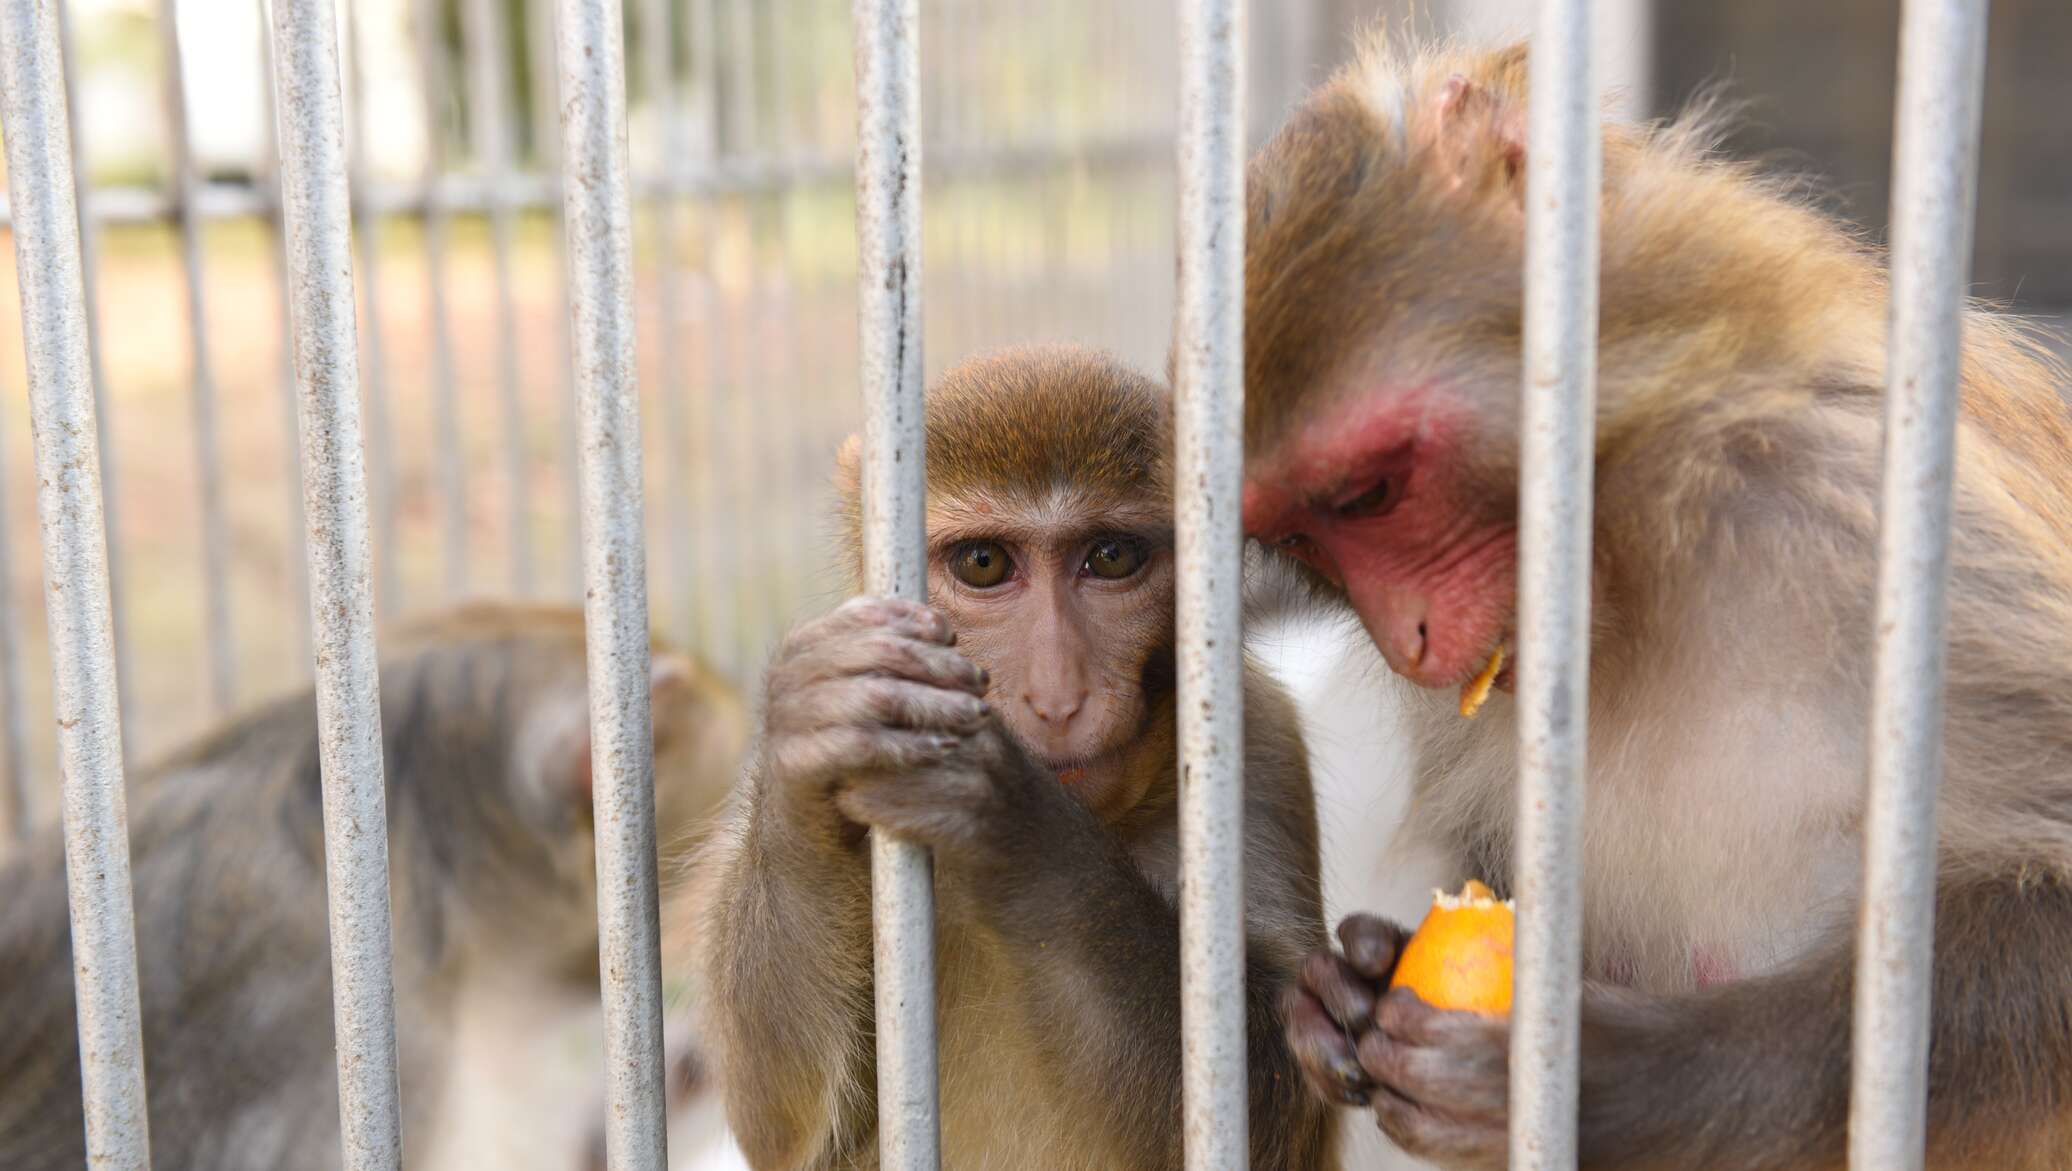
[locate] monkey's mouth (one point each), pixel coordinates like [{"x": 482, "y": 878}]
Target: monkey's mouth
[{"x": 1070, "y": 770}]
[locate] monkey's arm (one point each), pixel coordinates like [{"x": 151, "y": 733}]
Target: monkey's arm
[
  {"x": 1096, "y": 946},
  {"x": 1749, "y": 1076},
  {"x": 786, "y": 958}
]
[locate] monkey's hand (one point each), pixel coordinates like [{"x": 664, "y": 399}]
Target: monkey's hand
[
  {"x": 1438, "y": 1081},
  {"x": 869, "y": 697},
  {"x": 1331, "y": 1006},
  {"x": 1442, "y": 1080}
]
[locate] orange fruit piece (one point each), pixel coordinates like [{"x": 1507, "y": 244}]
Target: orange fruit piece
[{"x": 1460, "y": 956}]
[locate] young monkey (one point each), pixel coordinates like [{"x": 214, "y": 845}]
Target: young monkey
[{"x": 1023, "y": 729}]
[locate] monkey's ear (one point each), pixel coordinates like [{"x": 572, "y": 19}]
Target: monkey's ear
[
  {"x": 673, "y": 696},
  {"x": 559, "y": 749},
  {"x": 1477, "y": 131}
]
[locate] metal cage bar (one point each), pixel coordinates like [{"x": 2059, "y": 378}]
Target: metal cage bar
[
  {"x": 89, "y": 270},
  {"x": 888, "y": 248},
  {"x": 1208, "y": 386},
  {"x": 447, "y": 436},
  {"x": 489, "y": 103},
  {"x": 316, "y": 222},
  {"x": 599, "y": 218},
  {"x": 381, "y": 461},
  {"x": 266, "y": 180},
  {"x": 221, "y": 639},
  {"x": 75, "y": 584},
  {"x": 1934, "y": 183},
  {"x": 1558, "y": 417},
  {"x": 658, "y": 43}
]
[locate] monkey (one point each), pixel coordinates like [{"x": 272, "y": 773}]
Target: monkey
[
  {"x": 1737, "y": 464},
  {"x": 491, "y": 865},
  {"x": 1022, "y": 727}
]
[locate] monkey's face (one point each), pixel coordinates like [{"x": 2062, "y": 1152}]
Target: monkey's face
[
  {"x": 1068, "y": 607},
  {"x": 1376, "y": 497}
]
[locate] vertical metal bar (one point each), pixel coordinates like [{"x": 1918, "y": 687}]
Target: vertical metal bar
[
  {"x": 745, "y": 539},
  {"x": 600, "y": 245},
  {"x": 888, "y": 237},
  {"x": 658, "y": 63},
  {"x": 89, "y": 269},
  {"x": 1208, "y": 373},
  {"x": 1942, "y": 52},
  {"x": 381, "y": 432},
  {"x": 489, "y": 100},
  {"x": 15, "y": 813},
  {"x": 546, "y": 110},
  {"x": 75, "y": 583},
  {"x": 267, "y": 181},
  {"x": 718, "y": 463},
  {"x": 215, "y": 526},
  {"x": 1563, "y": 167},
  {"x": 317, "y": 219},
  {"x": 447, "y": 437}
]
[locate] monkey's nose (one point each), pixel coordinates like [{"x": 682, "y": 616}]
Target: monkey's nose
[
  {"x": 1055, "y": 709},
  {"x": 1400, "y": 632}
]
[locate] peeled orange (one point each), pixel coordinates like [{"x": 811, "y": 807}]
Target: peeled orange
[{"x": 1460, "y": 957}]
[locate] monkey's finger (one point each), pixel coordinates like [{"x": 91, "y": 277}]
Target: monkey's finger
[
  {"x": 884, "y": 652},
  {"x": 833, "y": 751},
  {"x": 1437, "y": 1135},
  {"x": 1405, "y": 1016},
  {"x": 913, "y": 618},
  {"x": 1470, "y": 1080},
  {"x": 1371, "y": 944},
  {"x": 1345, "y": 994},
  {"x": 1322, "y": 1050},
  {"x": 872, "y": 701},
  {"x": 932, "y": 805}
]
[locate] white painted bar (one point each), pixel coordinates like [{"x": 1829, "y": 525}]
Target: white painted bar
[
  {"x": 316, "y": 223},
  {"x": 888, "y": 242},
  {"x": 599, "y": 218},
  {"x": 1942, "y": 51},
  {"x": 1563, "y": 168},
  {"x": 446, "y": 427},
  {"x": 75, "y": 584},
  {"x": 487, "y": 51},
  {"x": 219, "y": 636},
  {"x": 1208, "y": 472}
]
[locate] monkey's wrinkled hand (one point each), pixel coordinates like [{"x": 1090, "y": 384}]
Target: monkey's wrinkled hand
[
  {"x": 869, "y": 695},
  {"x": 1441, "y": 1080},
  {"x": 1330, "y": 1007}
]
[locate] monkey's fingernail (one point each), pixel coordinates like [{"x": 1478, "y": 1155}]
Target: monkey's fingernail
[
  {"x": 1357, "y": 1098},
  {"x": 985, "y": 678},
  {"x": 943, "y": 743}
]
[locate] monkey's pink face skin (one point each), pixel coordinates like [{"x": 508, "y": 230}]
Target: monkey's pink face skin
[
  {"x": 1371, "y": 495},
  {"x": 1065, "y": 615}
]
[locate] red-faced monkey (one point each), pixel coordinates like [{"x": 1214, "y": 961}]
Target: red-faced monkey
[
  {"x": 1742, "y": 360},
  {"x": 1022, "y": 727},
  {"x": 487, "y": 758}
]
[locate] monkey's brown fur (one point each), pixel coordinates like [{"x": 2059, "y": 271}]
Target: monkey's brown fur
[
  {"x": 1058, "y": 997},
  {"x": 1741, "y": 372},
  {"x": 487, "y": 765}
]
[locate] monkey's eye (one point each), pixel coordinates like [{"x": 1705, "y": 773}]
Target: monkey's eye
[
  {"x": 1114, "y": 558},
  {"x": 1375, "y": 501},
  {"x": 980, "y": 564}
]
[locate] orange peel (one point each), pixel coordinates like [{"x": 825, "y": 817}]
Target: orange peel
[
  {"x": 1475, "y": 692},
  {"x": 1460, "y": 956}
]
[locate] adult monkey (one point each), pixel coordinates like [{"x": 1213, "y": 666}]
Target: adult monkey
[
  {"x": 1050, "y": 807},
  {"x": 1737, "y": 467},
  {"x": 486, "y": 745}
]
